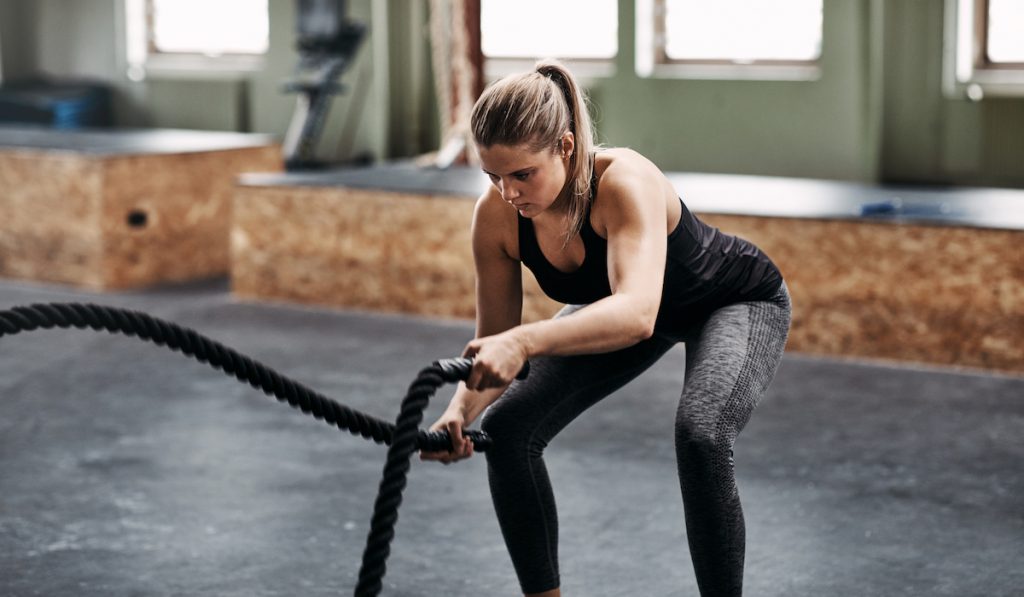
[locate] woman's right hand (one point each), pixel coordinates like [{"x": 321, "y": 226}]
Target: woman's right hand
[{"x": 452, "y": 421}]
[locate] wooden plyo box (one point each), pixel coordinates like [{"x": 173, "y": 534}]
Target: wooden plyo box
[
  {"x": 928, "y": 294},
  {"x": 121, "y": 209},
  {"x": 368, "y": 249},
  {"x": 398, "y": 240}
]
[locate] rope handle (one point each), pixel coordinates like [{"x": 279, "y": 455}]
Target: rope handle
[
  {"x": 452, "y": 371},
  {"x": 403, "y": 438},
  {"x": 458, "y": 368}
]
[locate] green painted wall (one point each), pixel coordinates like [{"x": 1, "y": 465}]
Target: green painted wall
[
  {"x": 817, "y": 128},
  {"x": 82, "y": 39},
  {"x": 16, "y": 43},
  {"x": 877, "y": 113},
  {"x": 928, "y": 137}
]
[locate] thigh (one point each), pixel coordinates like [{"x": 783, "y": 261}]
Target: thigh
[
  {"x": 730, "y": 361},
  {"x": 560, "y": 388}
]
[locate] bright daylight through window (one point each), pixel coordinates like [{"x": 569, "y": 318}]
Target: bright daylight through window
[
  {"x": 210, "y": 27},
  {"x": 743, "y": 31},
  {"x": 1006, "y": 31},
  {"x": 513, "y": 29}
]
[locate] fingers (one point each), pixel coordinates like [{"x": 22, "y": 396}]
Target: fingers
[
  {"x": 472, "y": 348},
  {"x": 465, "y": 451},
  {"x": 483, "y": 376},
  {"x": 462, "y": 446},
  {"x": 455, "y": 432},
  {"x": 473, "y": 381},
  {"x": 496, "y": 362}
]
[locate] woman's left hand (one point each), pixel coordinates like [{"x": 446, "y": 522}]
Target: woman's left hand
[{"x": 496, "y": 359}]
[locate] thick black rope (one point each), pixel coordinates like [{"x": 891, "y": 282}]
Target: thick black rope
[
  {"x": 392, "y": 483},
  {"x": 203, "y": 349},
  {"x": 404, "y": 437}
]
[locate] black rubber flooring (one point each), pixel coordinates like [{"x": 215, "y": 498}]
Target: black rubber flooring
[{"x": 126, "y": 469}]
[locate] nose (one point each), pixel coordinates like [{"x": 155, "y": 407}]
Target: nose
[{"x": 509, "y": 192}]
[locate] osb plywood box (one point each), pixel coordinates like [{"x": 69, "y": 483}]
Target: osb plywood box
[
  {"x": 944, "y": 289},
  {"x": 360, "y": 248},
  {"x": 121, "y": 209}
]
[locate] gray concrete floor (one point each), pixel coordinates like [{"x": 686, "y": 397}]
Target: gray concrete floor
[{"x": 126, "y": 469}]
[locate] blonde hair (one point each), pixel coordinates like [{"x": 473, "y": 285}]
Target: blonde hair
[{"x": 535, "y": 109}]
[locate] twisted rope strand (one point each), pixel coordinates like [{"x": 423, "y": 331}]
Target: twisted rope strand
[
  {"x": 205, "y": 350},
  {"x": 404, "y": 437}
]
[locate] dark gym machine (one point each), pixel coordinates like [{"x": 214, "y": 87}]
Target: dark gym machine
[{"x": 327, "y": 43}]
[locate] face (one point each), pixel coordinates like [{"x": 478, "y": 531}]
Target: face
[{"x": 530, "y": 181}]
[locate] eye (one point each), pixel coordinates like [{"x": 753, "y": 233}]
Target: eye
[{"x": 522, "y": 176}]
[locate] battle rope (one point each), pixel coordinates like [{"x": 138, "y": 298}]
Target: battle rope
[{"x": 404, "y": 437}]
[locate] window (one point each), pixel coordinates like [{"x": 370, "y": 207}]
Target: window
[
  {"x": 582, "y": 32},
  {"x": 196, "y": 36},
  {"x": 729, "y": 38},
  {"x": 1004, "y": 32},
  {"x": 984, "y": 48}
]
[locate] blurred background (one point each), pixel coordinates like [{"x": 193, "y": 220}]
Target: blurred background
[
  {"x": 295, "y": 179},
  {"x": 864, "y": 90}
]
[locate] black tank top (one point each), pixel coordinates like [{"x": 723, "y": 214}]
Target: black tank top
[{"x": 705, "y": 269}]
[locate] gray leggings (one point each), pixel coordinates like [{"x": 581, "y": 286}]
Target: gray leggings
[{"x": 731, "y": 358}]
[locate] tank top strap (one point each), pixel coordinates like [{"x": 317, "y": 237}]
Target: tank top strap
[{"x": 587, "y": 230}]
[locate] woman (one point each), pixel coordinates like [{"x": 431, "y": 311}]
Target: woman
[{"x": 606, "y": 234}]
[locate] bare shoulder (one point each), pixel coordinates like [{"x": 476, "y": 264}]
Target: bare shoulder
[
  {"x": 495, "y": 229},
  {"x": 623, "y": 165},
  {"x": 630, "y": 185},
  {"x": 623, "y": 172},
  {"x": 626, "y": 176}
]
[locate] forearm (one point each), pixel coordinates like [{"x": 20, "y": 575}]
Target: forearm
[
  {"x": 610, "y": 324},
  {"x": 471, "y": 404}
]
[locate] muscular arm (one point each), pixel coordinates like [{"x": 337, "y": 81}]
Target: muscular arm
[
  {"x": 633, "y": 217},
  {"x": 631, "y": 212},
  {"x": 499, "y": 291},
  {"x": 499, "y": 300}
]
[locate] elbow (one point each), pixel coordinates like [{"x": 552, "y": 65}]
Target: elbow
[
  {"x": 636, "y": 319},
  {"x": 645, "y": 330},
  {"x": 644, "y": 325}
]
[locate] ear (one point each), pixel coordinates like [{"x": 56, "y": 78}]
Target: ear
[{"x": 568, "y": 144}]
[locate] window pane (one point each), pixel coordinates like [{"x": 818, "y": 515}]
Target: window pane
[
  {"x": 539, "y": 28},
  {"x": 211, "y": 26},
  {"x": 1006, "y": 30},
  {"x": 743, "y": 30}
]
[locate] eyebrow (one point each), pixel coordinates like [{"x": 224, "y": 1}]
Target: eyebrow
[{"x": 520, "y": 171}]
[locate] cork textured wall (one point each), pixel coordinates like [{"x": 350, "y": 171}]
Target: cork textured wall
[
  {"x": 941, "y": 295},
  {"x": 120, "y": 221},
  {"x": 935, "y": 294},
  {"x": 361, "y": 249}
]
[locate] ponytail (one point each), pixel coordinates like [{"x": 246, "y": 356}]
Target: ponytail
[{"x": 581, "y": 167}]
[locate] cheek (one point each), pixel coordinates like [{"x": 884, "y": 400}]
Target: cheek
[{"x": 554, "y": 179}]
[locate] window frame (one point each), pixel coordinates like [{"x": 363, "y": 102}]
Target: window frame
[
  {"x": 586, "y": 69},
  {"x": 981, "y": 31},
  {"x": 146, "y": 60},
  {"x": 967, "y": 70},
  {"x": 653, "y": 61}
]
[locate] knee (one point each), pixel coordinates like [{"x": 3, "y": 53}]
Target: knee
[
  {"x": 512, "y": 432},
  {"x": 700, "y": 445},
  {"x": 694, "y": 430},
  {"x": 495, "y": 422}
]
